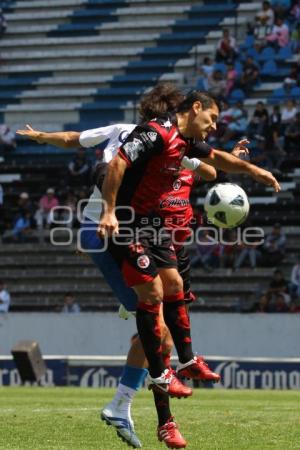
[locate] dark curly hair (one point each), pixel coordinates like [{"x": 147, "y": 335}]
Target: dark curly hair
[
  {"x": 167, "y": 98},
  {"x": 163, "y": 98}
]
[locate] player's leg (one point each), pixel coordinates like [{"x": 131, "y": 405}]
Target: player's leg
[
  {"x": 118, "y": 411},
  {"x": 167, "y": 429},
  {"x": 147, "y": 319},
  {"x": 197, "y": 367},
  {"x": 175, "y": 314}
]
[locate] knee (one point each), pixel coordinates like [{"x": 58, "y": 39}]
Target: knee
[
  {"x": 174, "y": 285},
  {"x": 151, "y": 293}
]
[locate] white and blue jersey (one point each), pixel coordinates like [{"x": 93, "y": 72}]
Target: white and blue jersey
[{"x": 89, "y": 240}]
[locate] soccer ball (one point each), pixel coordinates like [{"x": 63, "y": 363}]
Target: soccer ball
[{"x": 226, "y": 205}]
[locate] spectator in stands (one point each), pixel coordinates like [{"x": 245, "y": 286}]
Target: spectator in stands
[
  {"x": 229, "y": 249},
  {"x": 295, "y": 280},
  {"x": 224, "y": 118},
  {"x": 264, "y": 21},
  {"x": 4, "y": 298},
  {"x": 258, "y": 154},
  {"x": 79, "y": 169},
  {"x": 205, "y": 70},
  {"x": 22, "y": 227},
  {"x": 292, "y": 135},
  {"x": 280, "y": 34},
  {"x": 274, "y": 246},
  {"x": 249, "y": 76},
  {"x": 278, "y": 285},
  {"x": 295, "y": 11},
  {"x": 246, "y": 250},
  {"x": 275, "y": 129},
  {"x": 238, "y": 124},
  {"x": 295, "y": 39},
  {"x": 288, "y": 113},
  {"x": 262, "y": 305},
  {"x": 216, "y": 84},
  {"x": 44, "y": 215},
  {"x": 208, "y": 252},
  {"x": 3, "y": 24},
  {"x": 68, "y": 213},
  {"x": 259, "y": 122},
  {"x": 227, "y": 50},
  {"x": 292, "y": 79},
  {"x": 231, "y": 77},
  {"x": 70, "y": 306},
  {"x": 279, "y": 305},
  {"x": 7, "y": 138},
  {"x": 98, "y": 153},
  {"x": 25, "y": 205}
]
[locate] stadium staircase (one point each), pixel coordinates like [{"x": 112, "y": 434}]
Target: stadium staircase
[{"x": 76, "y": 64}]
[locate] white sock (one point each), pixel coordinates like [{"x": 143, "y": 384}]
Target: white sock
[{"x": 123, "y": 399}]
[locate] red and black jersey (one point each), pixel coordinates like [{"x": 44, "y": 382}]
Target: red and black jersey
[
  {"x": 175, "y": 207},
  {"x": 153, "y": 153}
]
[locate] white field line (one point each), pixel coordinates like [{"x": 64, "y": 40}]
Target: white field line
[{"x": 46, "y": 410}]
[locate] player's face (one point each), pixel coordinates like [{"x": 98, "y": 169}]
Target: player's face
[{"x": 204, "y": 121}]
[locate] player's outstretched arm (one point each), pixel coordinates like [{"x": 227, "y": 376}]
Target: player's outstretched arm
[
  {"x": 231, "y": 164},
  {"x": 61, "y": 139},
  {"x": 108, "y": 224}
]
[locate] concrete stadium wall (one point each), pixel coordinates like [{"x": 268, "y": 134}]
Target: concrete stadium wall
[{"x": 252, "y": 335}]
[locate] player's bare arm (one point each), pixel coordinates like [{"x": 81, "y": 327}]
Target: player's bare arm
[
  {"x": 61, "y": 139},
  {"x": 231, "y": 164},
  {"x": 108, "y": 224},
  {"x": 207, "y": 172}
]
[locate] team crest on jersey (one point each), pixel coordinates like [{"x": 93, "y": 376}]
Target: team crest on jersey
[
  {"x": 152, "y": 136},
  {"x": 177, "y": 185},
  {"x": 143, "y": 262}
]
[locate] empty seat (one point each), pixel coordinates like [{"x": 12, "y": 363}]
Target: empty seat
[
  {"x": 266, "y": 54},
  {"x": 269, "y": 67},
  {"x": 237, "y": 95}
]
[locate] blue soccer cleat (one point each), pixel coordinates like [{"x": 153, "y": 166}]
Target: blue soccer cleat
[{"x": 122, "y": 423}]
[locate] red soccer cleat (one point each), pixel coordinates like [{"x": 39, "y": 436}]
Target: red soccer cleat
[
  {"x": 170, "y": 435},
  {"x": 197, "y": 369},
  {"x": 169, "y": 384}
]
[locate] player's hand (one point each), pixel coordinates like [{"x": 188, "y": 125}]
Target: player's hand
[
  {"x": 108, "y": 225},
  {"x": 240, "y": 149},
  {"x": 266, "y": 177},
  {"x": 30, "y": 133}
]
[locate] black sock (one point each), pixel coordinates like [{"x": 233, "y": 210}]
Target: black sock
[
  {"x": 147, "y": 322},
  {"x": 162, "y": 405},
  {"x": 178, "y": 322}
]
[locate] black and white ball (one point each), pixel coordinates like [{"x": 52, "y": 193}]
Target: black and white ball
[{"x": 226, "y": 205}]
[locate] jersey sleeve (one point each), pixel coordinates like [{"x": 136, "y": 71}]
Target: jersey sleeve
[
  {"x": 200, "y": 150},
  {"x": 95, "y": 136},
  {"x": 143, "y": 142}
]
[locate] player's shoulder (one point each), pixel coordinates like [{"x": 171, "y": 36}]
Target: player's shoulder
[{"x": 165, "y": 125}]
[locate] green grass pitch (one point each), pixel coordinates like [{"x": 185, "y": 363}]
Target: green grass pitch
[{"x": 68, "y": 419}]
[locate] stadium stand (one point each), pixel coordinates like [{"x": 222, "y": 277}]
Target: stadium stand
[{"x": 77, "y": 64}]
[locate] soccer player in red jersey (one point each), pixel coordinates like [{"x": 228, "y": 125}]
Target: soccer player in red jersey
[{"x": 138, "y": 177}]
